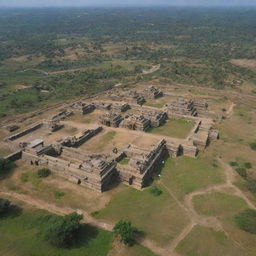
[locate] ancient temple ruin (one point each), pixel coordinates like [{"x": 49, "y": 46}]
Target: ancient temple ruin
[
  {"x": 181, "y": 106},
  {"x": 111, "y": 119},
  {"x": 135, "y": 122},
  {"x": 152, "y": 93}
]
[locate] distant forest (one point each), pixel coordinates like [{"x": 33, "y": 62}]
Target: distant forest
[{"x": 69, "y": 52}]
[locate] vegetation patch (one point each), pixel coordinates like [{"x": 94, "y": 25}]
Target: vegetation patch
[
  {"x": 174, "y": 128},
  {"x": 43, "y": 173},
  {"x": 23, "y": 233},
  {"x": 246, "y": 220},
  {"x": 155, "y": 191},
  {"x": 242, "y": 172},
  {"x": 203, "y": 241},
  {"x": 218, "y": 204},
  {"x": 124, "y": 161},
  {"x": 142, "y": 209},
  {"x": 184, "y": 175}
]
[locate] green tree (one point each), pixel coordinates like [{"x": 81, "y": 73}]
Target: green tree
[
  {"x": 5, "y": 166},
  {"x": 125, "y": 231},
  {"x": 43, "y": 173},
  {"x": 246, "y": 220},
  {"x": 63, "y": 232},
  {"x": 4, "y": 205}
]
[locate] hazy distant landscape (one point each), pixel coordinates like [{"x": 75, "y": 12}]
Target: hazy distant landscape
[{"x": 46, "y": 52}]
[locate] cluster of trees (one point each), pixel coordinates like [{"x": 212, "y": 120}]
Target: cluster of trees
[
  {"x": 246, "y": 220},
  {"x": 62, "y": 232},
  {"x": 5, "y": 166}
]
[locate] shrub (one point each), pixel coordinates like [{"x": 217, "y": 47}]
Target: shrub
[
  {"x": 43, "y": 173},
  {"x": 5, "y": 165},
  {"x": 253, "y": 145},
  {"x": 248, "y": 165},
  {"x": 4, "y": 205},
  {"x": 233, "y": 163},
  {"x": 125, "y": 231},
  {"x": 59, "y": 195},
  {"x": 246, "y": 220},
  {"x": 242, "y": 172},
  {"x": 155, "y": 191},
  {"x": 63, "y": 232},
  {"x": 24, "y": 177},
  {"x": 251, "y": 185}
]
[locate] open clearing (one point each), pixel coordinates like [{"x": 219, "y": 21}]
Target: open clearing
[
  {"x": 246, "y": 63},
  {"x": 143, "y": 209},
  {"x": 173, "y": 128}
]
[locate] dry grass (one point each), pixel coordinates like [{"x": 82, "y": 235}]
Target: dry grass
[{"x": 245, "y": 63}]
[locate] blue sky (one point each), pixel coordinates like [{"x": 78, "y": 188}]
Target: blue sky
[{"x": 40, "y": 3}]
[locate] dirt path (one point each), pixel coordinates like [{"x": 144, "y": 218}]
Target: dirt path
[
  {"x": 207, "y": 221},
  {"x": 88, "y": 219}
]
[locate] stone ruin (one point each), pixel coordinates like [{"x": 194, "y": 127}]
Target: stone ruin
[
  {"x": 52, "y": 125},
  {"x": 181, "y": 107},
  {"x": 111, "y": 119},
  {"x": 102, "y": 105},
  {"x": 82, "y": 108},
  {"x": 79, "y": 139},
  {"x": 157, "y": 118},
  {"x": 203, "y": 133},
  {"x": 94, "y": 172},
  {"x": 135, "y": 122},
  {"x": 134, "y": 97},
  {"x": 120, "y": 107},
  {"x": 142, "y": 164},
  {"x": 152, "y": 93}
]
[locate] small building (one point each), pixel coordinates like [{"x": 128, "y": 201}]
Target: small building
[
  {"x": 182, "y": 106},
  {"x": 153, "y": 93},
  {"x": 135, "y": 122},
  {"x": 111, "y": 119},
  {"x": 82, "y": 108}
]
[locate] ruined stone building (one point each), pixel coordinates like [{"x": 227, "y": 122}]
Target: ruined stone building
[
  {"x": 79, "y": 139},
  {"x": 94, "y": 172},
  {"x": 157, "y": 118},
  {"x": 102, "y": 105},
  {"x": 181, "y": 106},
  {"x": 135, "y": 98},
  {"x": 52, "y": 125},
  {"x": 82, "y": 108},
  {"x": 111, "y": 119},
  {"x": 142, "y": 165},
  {"x": 152, "y": 93},
  {"x": 135, "y": 122},
  {"x": 119, "y": 107}
]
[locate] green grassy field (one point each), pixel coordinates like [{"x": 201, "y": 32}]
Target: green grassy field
[
  {"x": 203, "y": 241},
  {"x": 20, "y": 236},
  {"x": 184, "y": 175},
  {"x": 105, "y": 139},
  {"x": 173, "y": 128},
  {"x": 143, "y": 210},
  {"x": 219, "y": 204}
]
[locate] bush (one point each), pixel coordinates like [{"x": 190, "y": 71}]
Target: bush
[
  {"x": 4, "y": 205},
  {"x": 242, "y": 172},
  {"x": 155, "y": 191},
  {"x": 5, "y": 165},
  {"x": 246, "y": 221},
  {"x": 125, "y": 231},
  {"x": 59, "y": 194},
  {"x": 251, "y": 185},
  {"x": 253, "y": 145},
  {"x": 63, "y": 232},
  {"x": 24, "y": 177},
  {"x": 233, "y": 163},
  {"x": 43, "y": 173},
  {"x": 248, "y": 165}
]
